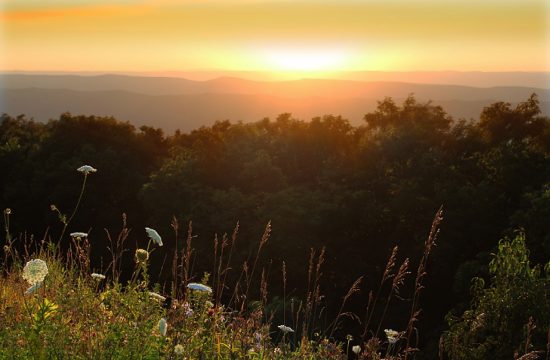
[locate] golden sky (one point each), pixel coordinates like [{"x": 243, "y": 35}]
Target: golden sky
[{"x": 277, "y": 36}]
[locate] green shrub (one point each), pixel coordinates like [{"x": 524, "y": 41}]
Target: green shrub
[{"x": 509, "y": 317}]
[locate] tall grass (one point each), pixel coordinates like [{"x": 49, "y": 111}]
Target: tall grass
[{"x": 78, "y": 314}]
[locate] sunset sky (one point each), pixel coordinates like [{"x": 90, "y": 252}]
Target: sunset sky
[{"x": 276, "y": 36}]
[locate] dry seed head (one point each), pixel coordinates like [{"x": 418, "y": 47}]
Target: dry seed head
[
  {"x": 390, "y": 264},
  {"x": 142, "y": 255},
  {"x": 399, "y": 278}
]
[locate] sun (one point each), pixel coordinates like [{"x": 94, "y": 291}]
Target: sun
[{"x": 298, "y": 60}]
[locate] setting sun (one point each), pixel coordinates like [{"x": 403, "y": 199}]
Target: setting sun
[{"x": 305, "y": 60}]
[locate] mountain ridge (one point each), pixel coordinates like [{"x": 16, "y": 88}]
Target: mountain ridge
[{"x": 171, "y": 103}]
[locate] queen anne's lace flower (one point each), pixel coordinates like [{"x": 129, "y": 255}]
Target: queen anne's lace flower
[
  {"x": 199, "y": 287},
  {"x": 163, "y": 326},
  {"x": 35, "y": 271},
  {"x": 79, "y": 235},
  {"x": 86, "y": 169},
  {"x": 154, "y": 235},
  {"x": 156, "y": 296},
  {"x": 392, "y": 335},
  {"x": 98, "y": 276},
  {"x": 285, "y": 329}
]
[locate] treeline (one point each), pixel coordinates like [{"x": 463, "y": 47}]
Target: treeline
[{"x": 357, "y": 191}]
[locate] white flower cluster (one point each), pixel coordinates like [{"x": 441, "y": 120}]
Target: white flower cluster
[
  {"x": 285, "y": 329},
  {"x": 156, "y": 296},
  {"x": 80, "y": 235},
  {"x": 154, "y": 235},
  {"x": 86, "y": 169},
  {"x": 199, "y": 287},
  {"x": 98, "y": 276},
  {"x": 392, "y": 335},
  {"x": 163, "y": 326},
  {"x": 35, "y": 271}
]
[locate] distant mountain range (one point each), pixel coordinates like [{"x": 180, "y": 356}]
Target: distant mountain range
[{"x": 178, "y": 103}]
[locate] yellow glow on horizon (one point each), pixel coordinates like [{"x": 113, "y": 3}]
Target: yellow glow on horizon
[{"x": 276, "y": 36}]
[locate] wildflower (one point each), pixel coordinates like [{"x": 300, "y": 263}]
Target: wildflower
[
  {"x": 211, "y": 312},
  {"x": 285, "y": 329},
  {"x": 86, "y": 169},
  {"x": 156, "y": 296},
  {"x": 35, "y": 271},
  {"x": 258, "y": 337},
  {"x": 142, "y": 255},
  {"x": 154, "y": 235},
  {"x": 199, "y": 287},
  {"x": 163, "y": 326},
  {"x": 79, "y": 235},
  {"x": 33, "y": 288},
  {"x": 187, "y": 309},
  {"x": 392, "y": 335},
  {"x": 98, "y": 276},
  {"x": 7, "y": 211},
  {"x": 356, "y": 349},
  {"x": 178, "y": 349}
]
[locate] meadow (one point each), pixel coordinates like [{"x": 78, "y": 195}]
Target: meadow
[{"x": 54, "y": 307}]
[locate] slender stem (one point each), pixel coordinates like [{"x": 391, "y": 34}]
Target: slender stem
[
  {"x": 384, "y": 312},
  {"x": 66, "y": 223},
  {"x": 7, "y": 224}
]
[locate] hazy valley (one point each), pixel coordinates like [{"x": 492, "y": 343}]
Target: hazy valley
[{"x": 177, "y": 103}]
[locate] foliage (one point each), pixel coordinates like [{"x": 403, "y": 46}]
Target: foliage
[{"x": 510, "y": 316}]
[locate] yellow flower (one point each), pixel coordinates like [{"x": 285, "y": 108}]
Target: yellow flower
[{"x": 47, "y": 309}]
